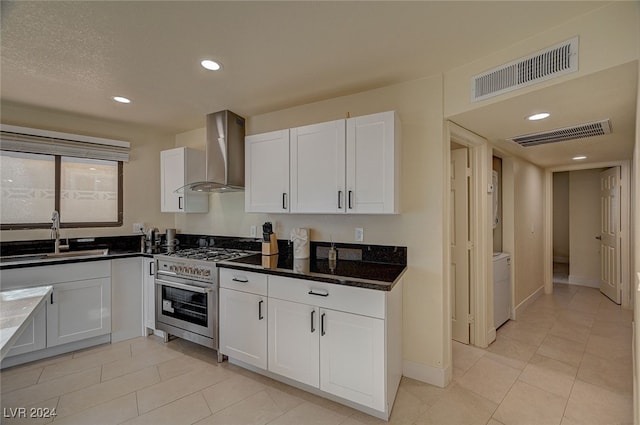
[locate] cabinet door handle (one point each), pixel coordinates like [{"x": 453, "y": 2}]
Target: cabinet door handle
[
  {"x": 339, "y": 199},
  {"x": 284, "y": 201},
  {"x": 322, "y": 332},
  {"x": 52, "y": 297},
  {"x": 179, "y": 202},
  {"x": 313, "y": 316},
  {"x": 349, "y": 201},
  {"x": 235, "y": 279},
  {"x": 260, "y": 316},
  {"x": 319, "y": 292},
  {"x": 151, "y": 268}
]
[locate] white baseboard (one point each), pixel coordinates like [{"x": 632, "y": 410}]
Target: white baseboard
[
  {"x": 583, "y": 281},
  {"x": 527, "y": 301},
  {"x": 425, "y": 373},
  {"x": 491, "y": 335}
]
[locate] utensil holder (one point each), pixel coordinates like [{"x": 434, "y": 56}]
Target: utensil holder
[{"x": 271, "y": 247}]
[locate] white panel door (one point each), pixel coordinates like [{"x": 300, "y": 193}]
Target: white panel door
[
  {"x": 267, "y": 172},
  {"x": 243, "y": 327},
  {"x": 149, "y": 292},
  {"x": 352, "y": 349},
  {"x": 294, "y": 342},
  {"x": 459, "y": 229},
  {"x": 79, "y": 310},
  {"x": 318, "y": 168},
  {"x": 371, "y": 159},
  {"x": 126, "y": 299},
  {"x": 172, "y": 178},
  {"x": 610, "y": 234}
]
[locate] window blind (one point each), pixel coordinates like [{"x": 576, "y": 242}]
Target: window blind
[{"x": 30, "y": 140}]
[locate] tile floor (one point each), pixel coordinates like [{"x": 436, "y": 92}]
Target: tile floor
[{"x": 566, "y": 361}]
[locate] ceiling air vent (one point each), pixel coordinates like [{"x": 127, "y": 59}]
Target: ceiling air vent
[
  {"x": 544, "y": 65},
  {"x": 596, "y": 128}
]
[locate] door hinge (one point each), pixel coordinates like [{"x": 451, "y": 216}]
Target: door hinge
[
  {"x": 469, "y": 172},
  {"x": 471, "y": 319},
  {"x": 469, "y": 245}
]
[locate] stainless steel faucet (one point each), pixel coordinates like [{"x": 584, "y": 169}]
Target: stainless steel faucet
[{"x": 55, "y": 232}]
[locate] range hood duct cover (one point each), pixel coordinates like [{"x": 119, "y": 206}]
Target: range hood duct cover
[
  {"x": 590, "y": 129},
  {"x": 224, "y": 154}
]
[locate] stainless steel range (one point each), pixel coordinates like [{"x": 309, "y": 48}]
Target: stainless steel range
[{"x": 186, "y": 284}]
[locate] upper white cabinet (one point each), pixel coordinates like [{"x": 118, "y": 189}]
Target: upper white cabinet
[
  {"x": 318, "y": 168},
  {"x": 178, "y": 167},
  {"x": 344, "y": 166},
  {"x": 267, "y": 172},
  {"x": 373, "y": 164}
]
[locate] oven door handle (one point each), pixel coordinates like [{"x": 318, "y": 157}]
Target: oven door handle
[{"x": 198, "y": 289}]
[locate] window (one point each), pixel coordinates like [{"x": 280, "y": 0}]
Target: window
[{"x": 82, "y": 179}]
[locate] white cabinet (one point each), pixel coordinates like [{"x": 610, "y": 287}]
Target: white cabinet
[
  {"x": 294, "y": 341},
  {"x": 34, "y": 336},
  {"x": 178, "y": 167},
  {"x": 352, "y": 357},
  {"x": 149, "y": 294},
  {"x": 79, "y": 310},
  {"x": 243, "y": 317},
  {"x": 343, "y": 166},
  {"x": 267, "y": 172},
  {"x": 373, "y": 164},
  {"x": 126, "y": 299},
  {"x": 318, "y": 168}
]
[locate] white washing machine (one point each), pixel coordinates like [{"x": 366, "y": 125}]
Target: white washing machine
[{"x": 501, "y": 288}]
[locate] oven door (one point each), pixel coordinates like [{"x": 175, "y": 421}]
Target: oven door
[{"x": 187, "y": 305}]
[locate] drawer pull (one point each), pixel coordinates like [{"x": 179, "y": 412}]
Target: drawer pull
[
  {"x": 319, "y": 292},
  {"x": 260, "y": 316},
  {"x": 322, "y": 332},
  {"x": 313, "y": 314},
  {"x": 235, "y": 279}
]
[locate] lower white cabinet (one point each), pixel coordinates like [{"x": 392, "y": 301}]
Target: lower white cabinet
[
  {"x": 79, "y": 310},
  {"x": 34, "y": 336},
  {"x": 243, "y": 316},
  {"x": 294, "y": 341},
  {"x": 149, "y": 294},
  {"x": 126, "y": 299}
]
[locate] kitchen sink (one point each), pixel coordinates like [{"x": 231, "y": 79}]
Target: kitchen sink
[{"x": 53, "y": 255}]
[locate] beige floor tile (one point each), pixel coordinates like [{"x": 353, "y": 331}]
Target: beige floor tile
[
  {"x": 40, "y": 364},
  {"x": 406, "y": 410},
  {"x": 179, "y": 366},
  {"x": 613, "y": 313},
  {"x": 571, "y": 331},
  {"x": 257, "y": 409},
  {"x": 593, "y": 405},
  {"x": 309, "y": 414},
  {"x": 511, "y": 352},
  {"x": 175, "y": 388},
  {"x": 489, "y": 379},
  {"x": 52, "y": 388},
  {"x": 465, "y": 356},
  {"x": 103, "y": 349},
  {"x": 426, "y": 393},
  {"x": 550, "y": 375},
  {"x": 111, "y": 412},
  {"x": 523, "y": 331},
  {"x": 184, "y": 411},
  {"x": 230, "y": 391},
  {"x": 458, "y": 407},
  {"x": 106, "y": 391},
  {"x": 610, "y": 348},
  {"x": 540, "y": 319},
  {"x": 612, "y": 374},
  {"x": 137, "y": 362},
  {"x": 87, "y": 361},
  {"x": 562, "y": 349},
  {"x": 575, "y": 317},
  {"x": 528, "y": 405},
  {"x": 494, "y": 422},
  {"x": 26, "y": 416},
  {"x": 612, "y": 329},
  {"x": 15, "y": 381}
]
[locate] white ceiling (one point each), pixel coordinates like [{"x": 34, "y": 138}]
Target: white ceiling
[{"x": 73, "y": 56}]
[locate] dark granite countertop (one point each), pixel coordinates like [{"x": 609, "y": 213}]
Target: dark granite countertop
[{"x": 362, "y": 274}]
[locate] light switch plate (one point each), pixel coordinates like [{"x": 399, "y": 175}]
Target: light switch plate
[
  {"x": 253, "y": 231},
  {"x": 359, "y": 234},
  {"x": 138, "y": 227}
]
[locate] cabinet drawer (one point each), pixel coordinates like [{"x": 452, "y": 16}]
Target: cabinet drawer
[
  {"x": 367, "y": 302},
  {"x": 240, "y": 280}
]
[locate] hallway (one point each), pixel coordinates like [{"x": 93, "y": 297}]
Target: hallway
[{"x": 566, "y": 360}]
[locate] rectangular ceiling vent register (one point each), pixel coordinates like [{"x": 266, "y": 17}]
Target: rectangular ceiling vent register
[
  {"x": 596, "y": 128},
  {"x": 544, "y": 65}
]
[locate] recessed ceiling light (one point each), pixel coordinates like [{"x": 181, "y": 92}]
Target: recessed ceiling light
[
  {"x": 121, "y": 99},
  {"x": 579, "y": 157},
  {"x": 210, "y": 65},
  {"x": 540, "y": 116}
]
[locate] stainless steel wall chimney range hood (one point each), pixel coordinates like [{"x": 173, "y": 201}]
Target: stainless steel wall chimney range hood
[{"x": 224, "y": 154}]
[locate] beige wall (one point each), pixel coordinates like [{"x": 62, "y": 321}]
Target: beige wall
[
  {"x": 528, "y": 233},
  {"x": 600, "y": 48},
  {"x": 419, "y": 106},
  {"x": 584, "y": 226},
  {"x": 141, "y": 173},
  {"x": 561, "y": 216}
]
